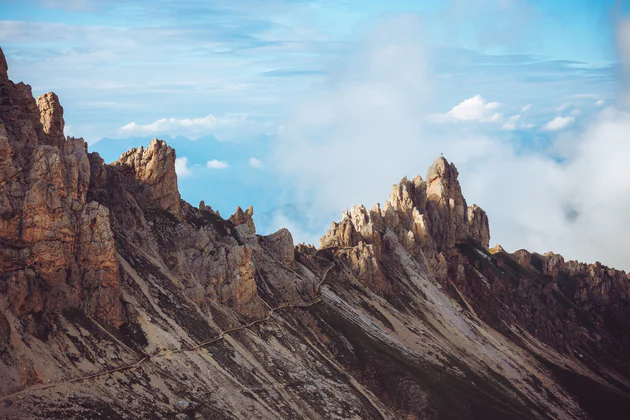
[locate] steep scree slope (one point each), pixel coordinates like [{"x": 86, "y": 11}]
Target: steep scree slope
[{"x": 120, "y": 300}]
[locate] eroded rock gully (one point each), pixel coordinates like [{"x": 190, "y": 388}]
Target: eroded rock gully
[{"x": 120, "y": 300}]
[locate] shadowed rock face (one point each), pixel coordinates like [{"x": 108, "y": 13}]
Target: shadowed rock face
[{"x": 120, "y": 300}]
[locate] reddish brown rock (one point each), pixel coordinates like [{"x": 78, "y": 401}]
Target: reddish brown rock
[
  {"x": 244, "y": 222},
  {"x": 154, "y": 168},
  {"x": 446, "y": 206},
  {"x": 59, "y": 248},
  {"x": 478, "y": 226},
  {"x": 51, "y": 117},
  {"x": 3, "y": 67}
]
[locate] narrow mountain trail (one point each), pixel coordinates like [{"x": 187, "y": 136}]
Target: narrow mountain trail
[{"x": 150, "y": 358}]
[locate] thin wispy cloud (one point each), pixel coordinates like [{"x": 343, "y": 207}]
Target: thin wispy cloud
[
  {"x": 195, "y": 127},
  {"x": 255, "y": 163}
]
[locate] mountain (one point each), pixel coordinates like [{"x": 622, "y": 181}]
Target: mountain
[
  {"x": 236, "y": 184},
  {"x": 120, "y": 300}
]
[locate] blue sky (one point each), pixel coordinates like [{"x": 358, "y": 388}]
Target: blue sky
[{"x": 304, "y": 108}]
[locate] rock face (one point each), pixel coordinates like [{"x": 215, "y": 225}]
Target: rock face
[
  {"x": 152, "y": 170},
  {"x": 51, "y": 117},
  {"x": 58, "y": 250},
  {"x": 120, "y": 300},
  {"x": 478, "y": 226},
  {"x": 429, "y": 218}
]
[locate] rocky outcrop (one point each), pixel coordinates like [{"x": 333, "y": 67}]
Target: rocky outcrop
[
  {"x": 446, "y": 206},
  {"x": 593, "y": 287},
  {"x": 280, "y": 244},
  {"x": 478, "y": 225},
  {"x": 3, "y": 67},
  {"x": 244, "y": 222},
  {"x": 153, "y": 173},
  {"x": 429, "y": 218},
  {"x": 51, "y": 117},
  {"x": 58, "y": 249}
]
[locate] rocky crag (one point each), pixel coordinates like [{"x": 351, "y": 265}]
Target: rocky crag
[{"x": 120, "y": 300}]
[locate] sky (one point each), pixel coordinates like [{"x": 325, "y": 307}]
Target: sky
[{"x": 305, "y": 108}]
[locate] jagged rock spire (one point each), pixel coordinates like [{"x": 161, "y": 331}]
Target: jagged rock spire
[
  {"x": 51, "y": 117},
  {"x": 446, "y": 204},
  {"x": 155, "y": 166},
  {"x": 429, "y": 218},
  {"x": 244, "y": 222},
  {"x": 4, "y": 68}
]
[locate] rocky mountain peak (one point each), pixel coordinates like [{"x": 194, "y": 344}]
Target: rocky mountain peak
[
  {"x": 430, "y": 218},
  {"x": 242, "y": 217},
  {"x": 154, "y": 167},
  {"x": 407, "y": 195},
  {"x": 57, "y": 248},
  {"x": 244, "y": 222},
  {"x": 4, "y": 68},
  {"x": 446, "y": 204},
  {"x": 51, "y": 117}
]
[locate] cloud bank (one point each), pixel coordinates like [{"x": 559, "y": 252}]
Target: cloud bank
[{"x": 350, "y": 144}]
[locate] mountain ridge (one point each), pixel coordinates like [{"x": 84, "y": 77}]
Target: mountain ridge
[{"x": 170, "y": 310}]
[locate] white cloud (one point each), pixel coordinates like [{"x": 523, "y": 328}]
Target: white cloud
[
  {"x": 576, "y": 206},
  {"x": 510, "y": 124},
  {"x": 223, "y": 127},
  {"x": 478, "y": 110},
  {"x": 558, "y": 123},
  {"x": 217, "y": 164},
  {"x": 475, "y": 109},
  {"x": 181, "y": 167},
  {"x": 576, "y": 112},
  {"x": 255, "y": 163},
  {"x": 599, "y": 103}
]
